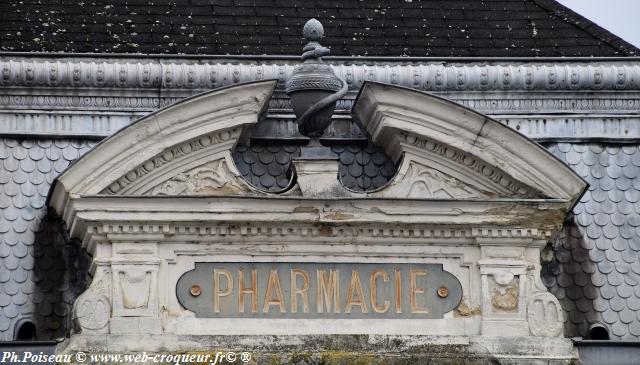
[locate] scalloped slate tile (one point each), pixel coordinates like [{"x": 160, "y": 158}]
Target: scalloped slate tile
[
  {"x": 602, "y": 232},
  {"x": 266, "y": 166},
  {"x": 27, "y": 169}
]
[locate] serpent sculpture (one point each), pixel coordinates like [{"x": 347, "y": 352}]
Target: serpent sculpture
[{"x": 313, "y": 87}]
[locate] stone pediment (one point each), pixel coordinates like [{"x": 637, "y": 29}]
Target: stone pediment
[
  {"x": 443, "y": 150},
  {"x": 450, "y": 152}
]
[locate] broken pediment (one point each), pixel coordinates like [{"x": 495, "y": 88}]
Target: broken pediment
[
  {"x": 441, "y": 151},
  {"x": 171, "y": 144},
  {"x": 451, "y": 152}
]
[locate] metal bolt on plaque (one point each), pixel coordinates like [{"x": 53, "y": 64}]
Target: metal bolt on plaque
[{"x": 195, "y": 290}]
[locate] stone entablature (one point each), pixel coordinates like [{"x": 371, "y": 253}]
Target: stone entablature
[
  {"x": 40, "y": 96},
  {"x": 163, "y": 194}
]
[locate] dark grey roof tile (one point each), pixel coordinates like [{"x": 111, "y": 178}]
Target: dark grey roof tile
[
  {"x": 19, "y": 152},
  {"x": 606, "y": 266},
  {"x": 634, "y": 327},
  {"x": 564, "y": 147},
  {"x": 615, "y": 195},
  {"x": 601, "y": 219},
  {"x": 5, "y": 251},
  {"x": 594, "y": 232},
  {"x": 5, "y": 275},
  {"x": 258, "y": 169},
  {"x": 36, "y": 154},
  {"x": 631, "y": 195},
  {"x": 590, "y": 292},
  {"x": 589, "y": 159},
  {"x": 27, "y": 165},
  {"x": 44, "y": 165},
  {"x": 610, "y": 231},
  {"x": 347, "y": 157},
  {"x": 588, "y": 267},
  {"x": 619, "y": 329},
  {"x": 582, "y": 170},
  {"x": 59, "y": 166},
  {"x": 10, "y": 164},
  {"x": 598, "y": 196},
  {"x": 266, "y": 158},
  {"x": 20, "y": 251},
  {"x": 624, "y": 290},
  {"x": 572, "y": 157},
  {"x": 619, "y": 245},
  {"x": 606, "y": 183},
  {"x": 583, "y": 305},
  {"x": 598, "y": 170},
  {"x": 615, "y": 278}
]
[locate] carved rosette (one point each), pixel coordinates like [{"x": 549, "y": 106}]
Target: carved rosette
[
  {"x": 544, "y": 312},
  {"x": 92, "y": 309}
]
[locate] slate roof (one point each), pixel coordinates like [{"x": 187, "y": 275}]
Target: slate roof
[
  {"x": 39, "y": 271},
  {"x": 595, "y": 271},
  {"x": 375, "y": 28},
  {"x": 361, "y": 167}
]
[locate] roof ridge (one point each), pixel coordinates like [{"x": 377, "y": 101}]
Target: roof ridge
[{"x": 589, "y": 26}]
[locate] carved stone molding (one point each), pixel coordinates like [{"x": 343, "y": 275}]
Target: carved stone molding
[
  {"x": 207, "y": 232},
  {"x": 212, "y": 178},
  {"x": 173, "y": 158},
  {"x": 477, "y": 174},
  {"x": 208, "y": 74},
  {"x": 420, "y": 181}
]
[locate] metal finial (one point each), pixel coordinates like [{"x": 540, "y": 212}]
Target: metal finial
[
  {"x": 313, "y": 86},
  {"x": 313, "y": 30}
]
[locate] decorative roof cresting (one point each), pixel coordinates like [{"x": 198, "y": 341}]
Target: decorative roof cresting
[{"x": 313, "y": 86}]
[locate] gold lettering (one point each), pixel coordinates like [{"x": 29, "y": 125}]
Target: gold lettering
[
  {"x": 398, "y": 291},
  {"x": 274, "y": 285},
  {"x": 374, "y": 291},
  {"x": 328, "y": 291},
  {"x": 413, "y": 278},
  {"x": 217, "y": 291},
  {"x": 303, "y": 292},
  {"x": 252, "y": 290},
  {"x": 356, "y": 287}
]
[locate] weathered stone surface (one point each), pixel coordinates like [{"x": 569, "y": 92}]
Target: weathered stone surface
[{"x": 355, "y": 349}]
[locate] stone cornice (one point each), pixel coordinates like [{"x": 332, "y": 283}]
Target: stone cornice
[
  {"x": 94, "y": 97},
  {"x": 285, "y": 219},
  {"x": 144, "y": 73}
]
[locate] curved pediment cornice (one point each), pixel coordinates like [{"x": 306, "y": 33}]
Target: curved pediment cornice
[
  {"x": 192, "y": 134},
  {"x": 474, "y": 155}
]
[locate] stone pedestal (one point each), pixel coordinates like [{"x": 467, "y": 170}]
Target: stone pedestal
[{"x": 318, "y": 177}]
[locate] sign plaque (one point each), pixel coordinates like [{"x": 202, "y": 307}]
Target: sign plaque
[{"x": 318, "y": 290}]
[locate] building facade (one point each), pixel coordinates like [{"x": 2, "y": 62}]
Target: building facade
[{"x": 468, "y": 200}]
